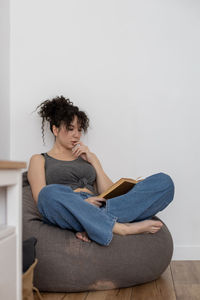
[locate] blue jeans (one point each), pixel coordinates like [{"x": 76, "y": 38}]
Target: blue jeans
[{"x": 61, "y": 206}]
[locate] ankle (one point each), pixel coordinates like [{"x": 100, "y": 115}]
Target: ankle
[{"x": 120, "y": 229}]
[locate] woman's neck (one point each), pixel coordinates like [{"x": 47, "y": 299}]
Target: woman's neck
[{"x": 62, "y": 152}]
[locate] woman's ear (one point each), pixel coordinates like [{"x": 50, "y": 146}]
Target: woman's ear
[{"x": 55, "y": 130}]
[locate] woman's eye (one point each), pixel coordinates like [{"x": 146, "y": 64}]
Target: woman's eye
[{"x": 72, "y": 128}]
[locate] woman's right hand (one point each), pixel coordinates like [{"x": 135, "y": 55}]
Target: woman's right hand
[{"x": 96, "y": 200}]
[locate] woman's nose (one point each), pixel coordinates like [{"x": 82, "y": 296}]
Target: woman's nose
[{"x": 76, "y": 133}]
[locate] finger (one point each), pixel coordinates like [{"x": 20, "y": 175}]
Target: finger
[
  {"x": 79, "y": 152},
  {"x": 78, "y": 143},
  {"x": 78, "y": 146},
  {"x": 101, "y": 202},
  {"x": 82, "y": 147},
  {"x": 74, "y": 150},
  {"x": 92, "y": 202},
  {"x": 100, "y": 198},
  {"x": 76, "y": 153},
  {"x": 103, "y": 199},
  {"x": 97, "y": 203}
]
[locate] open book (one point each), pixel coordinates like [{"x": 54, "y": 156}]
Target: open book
[{"x": 122, "y": 186}]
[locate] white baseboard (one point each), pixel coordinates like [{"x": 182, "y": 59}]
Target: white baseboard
[{"x": 186, "y": 253}]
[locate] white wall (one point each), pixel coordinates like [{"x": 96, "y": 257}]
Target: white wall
[
  {"x": 4, "y": 81},
  {"x": 134, "y": 67}
]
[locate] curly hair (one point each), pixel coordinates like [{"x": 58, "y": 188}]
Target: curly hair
[{"x": 59, "y": 111}]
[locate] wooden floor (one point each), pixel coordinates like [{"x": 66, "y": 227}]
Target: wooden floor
[{"x": 180, "y": 281}]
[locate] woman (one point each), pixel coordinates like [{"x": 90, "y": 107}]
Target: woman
[{"x": 66, "y": 181}]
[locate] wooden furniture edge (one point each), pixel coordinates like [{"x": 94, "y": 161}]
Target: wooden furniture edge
[{"x": 7, "y": 164}]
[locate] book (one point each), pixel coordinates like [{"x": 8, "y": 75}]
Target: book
[{"x": 120, "y": 187}]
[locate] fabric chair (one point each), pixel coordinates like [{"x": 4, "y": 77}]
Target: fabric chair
[{"x": 67, "y": 264}]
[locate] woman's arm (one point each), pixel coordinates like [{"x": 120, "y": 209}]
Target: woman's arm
[
  {"x": 103, "y": 182},
  {"x": 36, "y": 175}
]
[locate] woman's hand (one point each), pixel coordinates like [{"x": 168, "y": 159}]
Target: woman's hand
[
  {"x": 82, "y": 150},
  {"x": 96, "y": 200},
  {"x": 103, "y": 182}
]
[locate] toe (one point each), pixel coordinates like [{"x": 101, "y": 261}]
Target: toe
[{"x": 79, "y": 236}]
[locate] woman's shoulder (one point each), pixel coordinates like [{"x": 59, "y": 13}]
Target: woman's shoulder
[
  {"x": 36, "y": 164},
  {"x": 37, "y": 158}
]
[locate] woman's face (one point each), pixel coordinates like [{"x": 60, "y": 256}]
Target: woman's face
[{"x": 68, "y": 137}]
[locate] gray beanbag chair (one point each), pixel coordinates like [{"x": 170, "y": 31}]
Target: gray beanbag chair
[{"x": 67, "y": 264}]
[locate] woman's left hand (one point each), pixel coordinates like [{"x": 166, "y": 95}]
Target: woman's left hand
[{"x": 82, "y": 150}]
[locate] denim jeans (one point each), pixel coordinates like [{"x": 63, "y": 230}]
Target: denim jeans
[{"x": 61, "y": 206}]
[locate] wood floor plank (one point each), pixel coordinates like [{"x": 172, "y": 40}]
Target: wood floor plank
[
  {"x": 161, "y": 288},
  {"x": 63, "y": 296},
  {"x": 188, "y": 292},
  {"x": 187, "y": 271},
  {"x": 51, "y": 296},
  {"x": 165, "y": 285},
  {"x": 76, "y": 296},
  {"x": 140, "y": 292},
  {"x": 102, "y": 295},
  {"x": 186, "y": 277},
  {"x": 121, "y": 294}
]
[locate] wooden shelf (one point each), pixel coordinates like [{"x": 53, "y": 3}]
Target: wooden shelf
[
  {"x": 6, "y": 164},
  {"x": 11, "y": 229}
]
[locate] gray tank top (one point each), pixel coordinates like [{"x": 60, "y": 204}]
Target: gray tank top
[{"x": 77, "y": 173}]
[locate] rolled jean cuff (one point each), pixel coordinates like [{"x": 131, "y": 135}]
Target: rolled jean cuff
[
  {"x": 111, "y": 233},
  {"x": 39, "y": 206},
  {"x": 106, "y": 235}
]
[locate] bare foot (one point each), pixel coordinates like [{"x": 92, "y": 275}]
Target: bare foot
[
  {"x": 83, "y": 236},
  {"x": 146, "y": 226}
]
